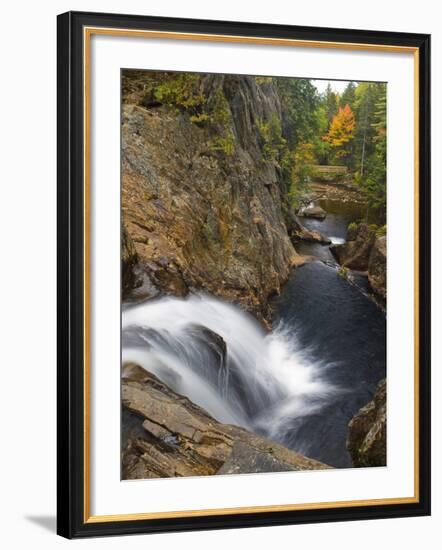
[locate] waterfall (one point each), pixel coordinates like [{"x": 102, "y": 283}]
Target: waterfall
[
  {"x": 336, "y": 240},
  {"x": 223, "y": 360}
]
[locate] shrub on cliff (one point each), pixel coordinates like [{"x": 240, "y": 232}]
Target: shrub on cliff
[
  {"x": 301, "y": 171},
  {"x": 274, "y": 145},
  {"x": 181, "y": 91}
]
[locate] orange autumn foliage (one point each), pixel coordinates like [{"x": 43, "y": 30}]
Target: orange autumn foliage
[{"x": 341, "y": 127}]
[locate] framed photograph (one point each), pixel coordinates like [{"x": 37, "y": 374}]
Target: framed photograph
[{"x": 243, "y": 274}]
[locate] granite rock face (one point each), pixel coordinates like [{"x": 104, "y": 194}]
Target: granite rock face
[
  {"x": 355, "y": 252},
  {"x": 202, "y": 218},
  {"x": 129, "y": 259},
  {"x": 365, "y": 251},
  {"x": 367, "y": 431},
  {"x": 166, "y": 435},
  {"x": 377, "y": 267}
]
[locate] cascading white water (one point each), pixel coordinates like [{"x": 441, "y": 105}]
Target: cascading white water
[
  {"x": 336, "y": 240},
  {"x": 222, "y": 359}
]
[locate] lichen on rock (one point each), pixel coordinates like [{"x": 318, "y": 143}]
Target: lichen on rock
[{"x": 200, "y": 217}]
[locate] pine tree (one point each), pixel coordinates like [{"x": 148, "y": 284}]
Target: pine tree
[
  {"x": 348, "y": 96},
  {"x": 331, "y": 103},
  {"x": 366, "y": 95},
  {"x": 375, "y": 183},
  {"x": 301, "y": 100}
]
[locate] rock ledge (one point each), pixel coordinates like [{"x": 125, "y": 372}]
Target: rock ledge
[{"x": 166, "y": 435}]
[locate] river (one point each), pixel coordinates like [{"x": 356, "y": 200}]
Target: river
[{"x": 299, "y": 385}]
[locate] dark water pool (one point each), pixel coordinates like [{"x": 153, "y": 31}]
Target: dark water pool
[
  {"x": 334, "y": 226},
  {"x": 346, "y": 333},
  {"x": 339, "y": 215}
]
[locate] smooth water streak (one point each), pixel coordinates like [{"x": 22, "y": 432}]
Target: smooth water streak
[{"x": 223, "y": 360}]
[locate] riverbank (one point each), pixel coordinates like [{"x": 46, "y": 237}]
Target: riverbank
[
  {"x": 360, "y": 250},
  {"x": 357, "y": 246}
]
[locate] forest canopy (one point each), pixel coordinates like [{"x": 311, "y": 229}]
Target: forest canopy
[{"x": 345, "y": 130}]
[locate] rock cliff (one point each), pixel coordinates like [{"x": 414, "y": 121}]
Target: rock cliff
[
  {"x": 366, "y": 251},
  {"x": 367, "y": 431},
  {"x": 355, "y": 252},
  {"x": 377, "y": 267},
  {"x": 204, "y": 204},
  {"x": 166, "y": 435}
]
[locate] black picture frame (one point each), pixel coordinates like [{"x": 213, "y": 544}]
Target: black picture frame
[{"x": 72, "y": 520}]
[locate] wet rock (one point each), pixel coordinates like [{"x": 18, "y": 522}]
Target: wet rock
[
  {"x": 367, "y": 431},
  {"x": 213, "y": 342},
  {"x": 377, "y": 267},
  {"x": 144, "y": 287},
  {"x": 355, "y": 252},
  {"x": 313, "y": 212},
  {"x": 311, "y": 235},
  {"x": 298, "y": 232},
  {"x": 303, "y": 259},
  {"x": 365, "y": 251},
  {"x": 352, "y": 232},
  {"x": 166, "y": 435},
  {"x": 246, "y": 459},
  {"x": 129, "y": 259}
]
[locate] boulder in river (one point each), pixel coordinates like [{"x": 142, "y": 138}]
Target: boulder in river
[
  {"x": 367, "y": 431},
  {"x": 166, "y": 435},
  {"x": 311, "y": 235},
  {"x": 299, "y": 232},
  {"x": 313, "y": 212},
  {"x": 365, "y": 250},
  {"x": 355, "y": 252}
]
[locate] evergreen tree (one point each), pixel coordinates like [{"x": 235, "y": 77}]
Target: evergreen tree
[
  {"x": 331, "y": 101},
  {"x": 375, "y": 182},
  {"x": 365, "y": 101},
  {"x": 348, "y": 96},
  {"x": 322, "y": 148},
  {"x": 300, "y": 99}
]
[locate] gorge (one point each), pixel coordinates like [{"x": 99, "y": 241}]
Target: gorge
[{"x": 228, "y": 297}]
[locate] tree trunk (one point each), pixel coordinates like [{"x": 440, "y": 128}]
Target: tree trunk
[{"x": 363, "y": 144}]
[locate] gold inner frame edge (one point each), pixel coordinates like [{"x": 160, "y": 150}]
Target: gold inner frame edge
[{"x": 87, "y": 33}]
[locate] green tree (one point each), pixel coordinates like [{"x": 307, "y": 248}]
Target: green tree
[
  {"x": 180, "y": 90},
  {"x": 322, "y": 148},
  {"x": 374, "y": 183},
  {"x": 331, "y": 103},
  {"x": 271, "y": 133},
  {"x": 348, "y": 96},
  {"x": 303, "y": 158},
  {"x": 365, "y": 102},
  {"x": 300, "y": 100}
]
